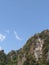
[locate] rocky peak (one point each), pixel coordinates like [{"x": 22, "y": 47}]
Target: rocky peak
[{"x": 34, "y": 52}]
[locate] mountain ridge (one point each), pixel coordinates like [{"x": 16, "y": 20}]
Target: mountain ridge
[{"x": 34, "y": 52}]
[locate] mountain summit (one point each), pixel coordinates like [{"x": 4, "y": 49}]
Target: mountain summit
[{"x": 34, "y": 52}]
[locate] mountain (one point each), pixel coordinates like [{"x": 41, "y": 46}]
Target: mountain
[{"x": 34, "y": 52}]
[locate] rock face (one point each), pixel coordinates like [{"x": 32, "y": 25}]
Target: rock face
[
  {"x": 34, "y": 52},
  {"x": 38, "y": 49},
  {"x": 21, "y": 61}
]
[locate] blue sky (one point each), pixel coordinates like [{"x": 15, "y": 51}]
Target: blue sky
[{"x": 20, "y": 19}]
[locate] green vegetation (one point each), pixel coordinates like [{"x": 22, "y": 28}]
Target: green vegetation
[{"x": 25, "y": 56}]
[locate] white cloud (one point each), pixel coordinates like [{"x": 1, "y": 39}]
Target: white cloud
[
  {"x": 2, "y": 37},
  {"x": 17, "y": 37}
]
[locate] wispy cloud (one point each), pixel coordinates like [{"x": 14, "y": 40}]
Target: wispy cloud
[
  {"x": 1, "y": 48},
  {"x": 17, "y": 36},
  {"x": 7, "y": 31},
  {"x": 2, "y": 37}
]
